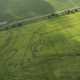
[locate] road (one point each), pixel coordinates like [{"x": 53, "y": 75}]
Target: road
[{"x": 49, "y": 15}]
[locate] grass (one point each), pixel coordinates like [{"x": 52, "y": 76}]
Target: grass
[
  {"x": 64, "y": 4},
  {"x": 46, "y": 50},
  {"x": 19, "y": 9}
]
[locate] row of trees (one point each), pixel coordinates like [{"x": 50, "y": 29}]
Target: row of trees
[
  {"x": 65, "y": 12},
  {"x": 69, "y": 11}
]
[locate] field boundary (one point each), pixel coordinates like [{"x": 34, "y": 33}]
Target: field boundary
[{"x": 47, "y": 16}]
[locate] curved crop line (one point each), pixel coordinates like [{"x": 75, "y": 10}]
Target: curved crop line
[
  {"x": 5, "y": 51},
  {"x": 30, "y": 42},
  {"x": 50, "y": 59}
]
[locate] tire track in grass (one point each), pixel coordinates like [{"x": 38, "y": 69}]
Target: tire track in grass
[
  {"x": 69, "y": 41},
  {"x": 22, "y": 61},
  {"x": 32, "y": 67},
  {"x": 50, "y": 59},
  {"x": 6, "y": 52},
  {"x": 25, "y": 54},
  {"x": 6, "y": 43},
  {"x": 37, "y": 36},
  {"x": 29, "y": 44},
  {"x": 55, "y": 30}
]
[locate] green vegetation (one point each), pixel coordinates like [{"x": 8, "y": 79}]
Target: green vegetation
[
  {"x": 64, "y": 4},
  {"x": 46, "y": 50},
  {"x": 19, "y": 9},
  {"x": 42, "y": 50}
]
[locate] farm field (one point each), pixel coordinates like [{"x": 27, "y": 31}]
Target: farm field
[
  {"x": 64, "y": 4},
  {"x": 19, "y": 9},
  {"x": 45, "y": 50}
]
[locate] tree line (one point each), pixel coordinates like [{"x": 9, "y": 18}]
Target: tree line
[{"x": 49, "y": 16}]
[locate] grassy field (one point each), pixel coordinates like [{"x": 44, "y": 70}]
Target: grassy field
[
  {"x": 64, "y": 4},
  {"x": 43, "y": 50},
  {"x": 19, "y": 9},
  {"x": 46, "y": 50}
]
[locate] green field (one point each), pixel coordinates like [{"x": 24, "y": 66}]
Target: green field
[
  {"x": 43, "y": 50},
  {"x": 46, "y": 50},
  {"x": 19, "y": 9},
  {"x": 64, "y": 4}
]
